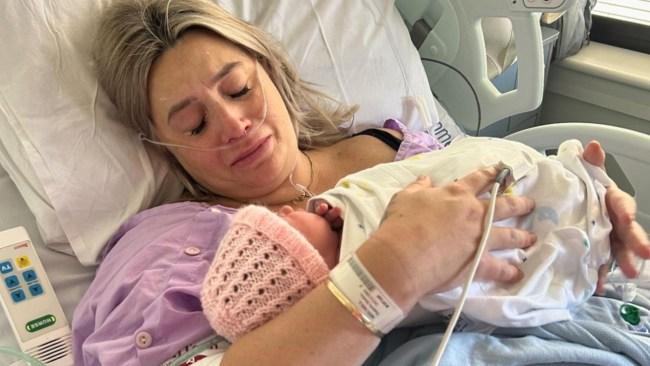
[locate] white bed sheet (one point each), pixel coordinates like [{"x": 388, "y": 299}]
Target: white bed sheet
[{"x": 69, "y": 278}]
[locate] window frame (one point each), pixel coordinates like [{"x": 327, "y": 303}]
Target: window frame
[{"x": 620, "y": 33}]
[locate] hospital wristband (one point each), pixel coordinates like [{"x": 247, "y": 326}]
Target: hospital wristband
[
  {"x": 352, "y": 309},
  {"x": 359, "y": 292}
]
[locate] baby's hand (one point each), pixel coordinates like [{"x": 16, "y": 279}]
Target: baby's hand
[{"x": 329, "y": 213}]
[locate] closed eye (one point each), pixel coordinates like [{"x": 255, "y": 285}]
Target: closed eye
[
  {"x": 201, "y": 126},
  {"x": 241, "y": 93},
  {"x": 198, "y": 129}
]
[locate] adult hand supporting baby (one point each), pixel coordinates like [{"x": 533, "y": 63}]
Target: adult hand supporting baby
[
  {"x": 433, "y": 233},
  {"x": 628, "y": 239}
]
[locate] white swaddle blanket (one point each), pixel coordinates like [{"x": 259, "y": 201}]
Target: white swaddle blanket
[{"x": 570, "y": 221}]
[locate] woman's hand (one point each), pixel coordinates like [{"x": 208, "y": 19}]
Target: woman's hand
[
  {"x": 434, "y": 232},
  {"x": 628, "y": 239}
]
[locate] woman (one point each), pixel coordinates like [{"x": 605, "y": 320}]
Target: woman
[{"x": 239, "y": 126}]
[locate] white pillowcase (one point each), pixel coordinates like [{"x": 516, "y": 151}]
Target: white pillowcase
[{"x": 82, "y": 174}]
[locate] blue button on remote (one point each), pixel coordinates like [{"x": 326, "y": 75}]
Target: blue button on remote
[
  {"x": 36, "y": 289},
  {"x": 6, "y": 267},
  {"x": 12, "y": 281},
  {"x": 18, "y": 295},
  {"x": 29, "y": 275}
]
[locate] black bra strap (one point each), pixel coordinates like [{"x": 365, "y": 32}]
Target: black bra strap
[{"x": 390, "y": 140}]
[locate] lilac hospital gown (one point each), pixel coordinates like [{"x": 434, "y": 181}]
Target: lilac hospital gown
[{"x": 144, "y": 304}]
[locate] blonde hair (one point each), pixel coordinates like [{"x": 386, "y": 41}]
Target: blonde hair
[{"x": 134, "y": 33}]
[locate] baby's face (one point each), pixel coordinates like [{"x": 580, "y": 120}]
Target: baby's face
[{"x": 316, "y": 230}]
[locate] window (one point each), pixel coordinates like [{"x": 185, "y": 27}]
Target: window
[
  {"x": 634, "y": 11},
  {"x": 622, "y": 23}
]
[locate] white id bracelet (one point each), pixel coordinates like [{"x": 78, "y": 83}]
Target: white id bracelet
[{"x": 352, "y": 284}]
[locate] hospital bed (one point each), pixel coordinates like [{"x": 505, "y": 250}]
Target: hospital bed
[
  {"x": 71, "y": 175},
  {"x": 451, "y": 33}
]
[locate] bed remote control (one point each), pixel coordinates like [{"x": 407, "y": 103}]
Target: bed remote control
[
  {"x": 35, "y": 315},
  {"x": 539, "y": 5}
]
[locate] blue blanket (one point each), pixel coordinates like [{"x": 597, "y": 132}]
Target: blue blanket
[{"x": 604, "y": 331}]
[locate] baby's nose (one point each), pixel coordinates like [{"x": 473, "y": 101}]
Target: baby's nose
[{"x": 285, "y": 210}]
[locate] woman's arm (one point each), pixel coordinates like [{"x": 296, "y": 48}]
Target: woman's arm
[
  {"x": 408, "y": 255},
  {"x": 317, "y": 330}
]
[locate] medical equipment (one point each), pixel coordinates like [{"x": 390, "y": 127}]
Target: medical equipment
[
  {"x": 358, "y": 291},
  {"x": 10, "y": 356},
  {"x": 630, "y": 149},
  {"x": 456, "y": 38},
  {"x": 28, "y": 298},
  {"x": 626, "y": 288},
  {"x": 499, "y": 182}
]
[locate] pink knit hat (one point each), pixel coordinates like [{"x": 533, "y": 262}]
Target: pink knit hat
[{"x": 262, "y": 267}]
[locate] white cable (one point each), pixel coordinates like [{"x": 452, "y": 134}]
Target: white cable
[{"x": 487, "y": 223}]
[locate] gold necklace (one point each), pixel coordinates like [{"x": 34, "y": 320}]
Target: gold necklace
[{"x": 303, "y": 192}]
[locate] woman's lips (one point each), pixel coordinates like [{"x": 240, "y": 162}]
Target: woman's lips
[{"x": 255, "y": 152}]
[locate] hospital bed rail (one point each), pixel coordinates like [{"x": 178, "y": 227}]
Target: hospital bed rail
[{"x": 628, "y": 155}]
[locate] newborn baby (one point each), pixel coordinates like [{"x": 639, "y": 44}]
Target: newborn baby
[{"x": 267, "y": 262}]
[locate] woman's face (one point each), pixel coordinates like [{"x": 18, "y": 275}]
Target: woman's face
[{"x": 206, "y": 92}]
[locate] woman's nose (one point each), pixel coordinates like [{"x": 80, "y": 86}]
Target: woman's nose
[{"x": 232, "y": 122}]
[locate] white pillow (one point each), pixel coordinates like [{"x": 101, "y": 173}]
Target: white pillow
[
  {"x": 360, "y": 52},
  {"x": 82, "y": 174}
]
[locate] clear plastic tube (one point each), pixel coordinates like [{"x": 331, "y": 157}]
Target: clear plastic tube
[{"x": 11, "y": 356}]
